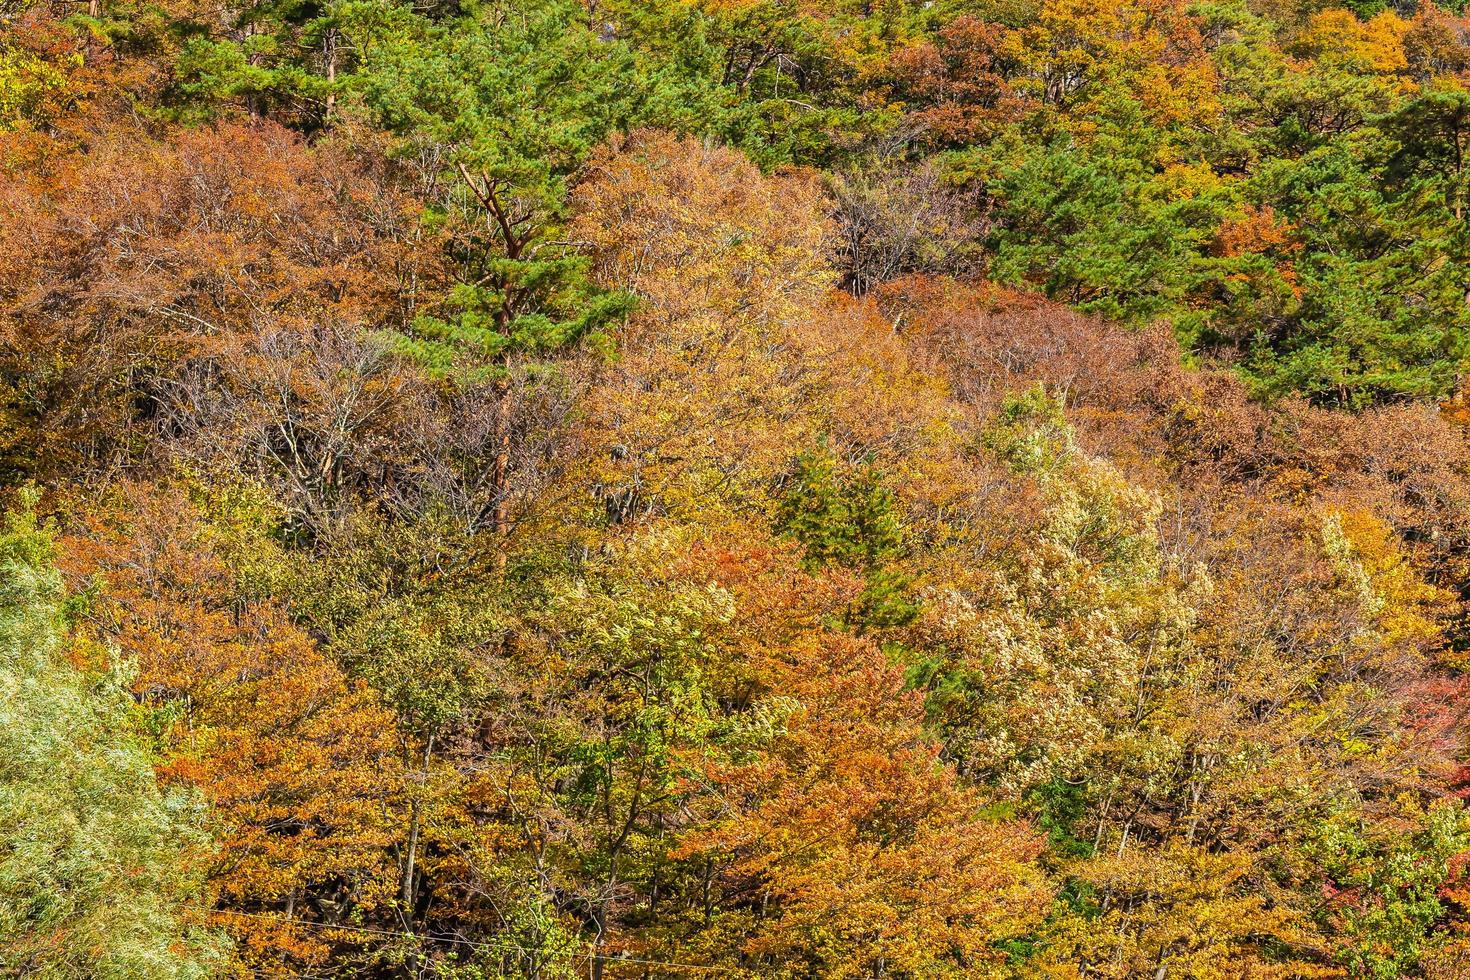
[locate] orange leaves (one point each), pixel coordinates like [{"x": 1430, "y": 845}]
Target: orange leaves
[
  {"x": 139, "y": 255},
  {"x": 957, "y": 85},
  {"x": 1255, "y": 231},
  {"x": 1432, "y": 45},
  {"x": 1258, "y": 231},
  {"x": 860, "y": 845},
  {"x": 210, "y": 219},
  {"x": 296, "y": 762}
]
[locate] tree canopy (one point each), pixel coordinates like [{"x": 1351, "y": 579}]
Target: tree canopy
[{"x": 549, "y": 489}]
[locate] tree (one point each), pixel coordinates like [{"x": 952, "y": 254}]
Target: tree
[
  {"x": 509, "y": 103},
  {"x": 893, "y": 219},
  {"x": 505, "y": 104},
  {"x": 840, "y": 843},
  {"x": 403, "y": 606},
  {"x": 99, "y": 864},
  {"x": 849, "y": 520},
  {"x": 1385, "y": 896},
  {"x": 1433, "y": 135},
  {"x": 294, "y": 760},
  {"x": 1094, "y": 232},
  {"x": 1382, "y": 310},
  {"x": 1177, "y": 912},
  {"x": 958, "y": 88},
  {"x": 235, "y": 232}
]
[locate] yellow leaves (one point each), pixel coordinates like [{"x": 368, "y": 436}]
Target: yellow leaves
[
  {"x": 1408, "y": 610},
  {"x": 697, "y": 231},
  {"x": 27, "y": 85},
  {"x": 1177, "y": 911},
  {"x": 726, "y": 260},
  {"x": 1187, "y": 94},
  {"x": 1151, "y": 47},
  {"x": 1338, "y": 37}
]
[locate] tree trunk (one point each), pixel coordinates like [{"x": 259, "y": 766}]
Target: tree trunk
[
  {"x": 406, "y": 889},
  {"x": 599, "y": 918},
  {"x": 330, "y": 44},
  {"x": 500, "y": 474}
]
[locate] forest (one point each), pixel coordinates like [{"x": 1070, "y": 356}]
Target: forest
[{"x": 752, "y": 489}]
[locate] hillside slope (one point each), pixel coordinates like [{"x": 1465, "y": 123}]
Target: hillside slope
[{"x": 567, "y": 508}]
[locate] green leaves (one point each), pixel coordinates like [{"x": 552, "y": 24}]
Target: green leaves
[
  {"x": 1032, "y": 433},
  {"x": 1096, "y": 231},
  {"x": 518, "y": 93},
  {"x": 94, "y": 857},
  {"x": 1355, "y": 295},
  {"x": 511, "y": 99},
  {"x": 1382, "y": 275},
  {"x": 849, "y": 519},
  {"x": 400, "y": 611},
  {"x": 1384, "y": 894}
]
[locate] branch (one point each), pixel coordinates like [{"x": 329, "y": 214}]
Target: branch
[{"x": 487, "y": 197}]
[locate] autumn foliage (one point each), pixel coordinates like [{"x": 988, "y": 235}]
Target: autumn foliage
[{"x": 534, "y": 489}]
